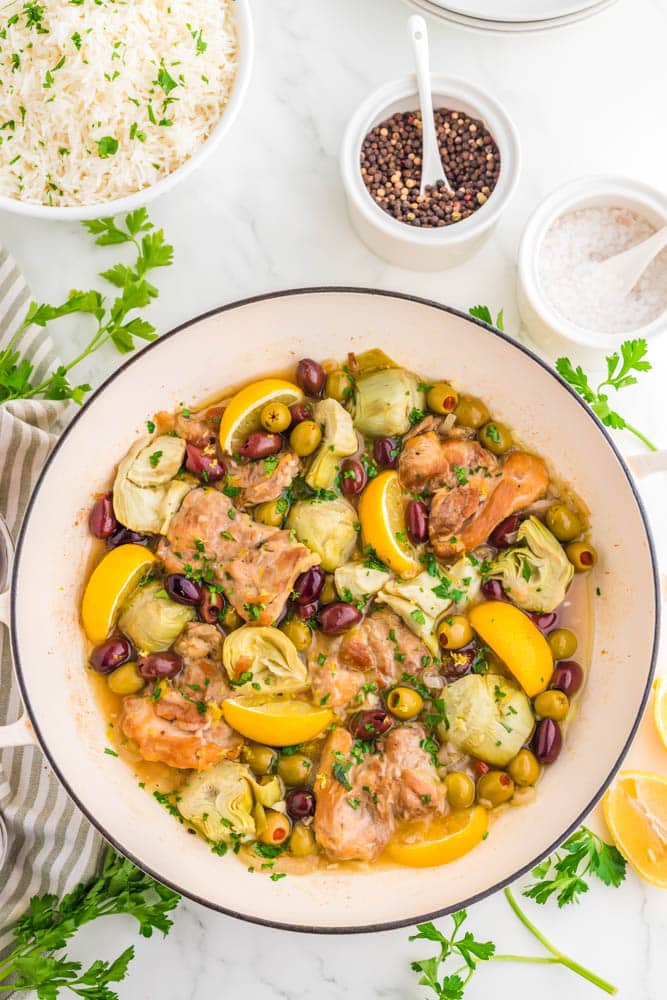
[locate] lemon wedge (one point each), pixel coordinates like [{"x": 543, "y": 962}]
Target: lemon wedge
[
  {"x": 242, "y": 415},
  {"x": 660, "y": 708},
  {"x": 111, "y": 583},
  {"x": 276, "y": 722},
  {"x": 382, "y": 518},
  {"x": 425, "y": 845},
  {"x": 635, "y": 810},
  {"x": 517, "y": 641}
]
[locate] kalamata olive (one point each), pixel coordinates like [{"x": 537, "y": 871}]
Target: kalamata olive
[
  {"x": 261, "y": 444},
  {"x": 308, "y": 586},
  {"x": 211, "y": 606},
  {"x": 504, "y": 534},
  {"x": 305, "y": 611},
  {"x": 310, "y": 377},
  {"x": 416, "y": 521},
  {"x": 385, "y": 452},
  {"x": 458, "y": 662},
  {"x": 102, "y": 520},
  {"x": 544, "y": 620},
  {"x": 300, "y": 803},
  {"x": 206, "y": 467},
  {"x": 183, "y": 590},
  {"x": 338, "y": 617},
  {"x": 547, "y": 741},
  {"x": 299, "y": 413},
  {"x": 370, "y": 724},
  {"x": 124, "y": 536},
  {"x": 567, "y": 677},
  {"x": 159, "y": 666},
  {"x": 493, "y": 589},
  {"x": 111, "y": 654},
  {"x": 352, "y": 477}
]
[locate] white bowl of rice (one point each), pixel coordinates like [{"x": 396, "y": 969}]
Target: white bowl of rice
[{"x": 104, "y": 107}]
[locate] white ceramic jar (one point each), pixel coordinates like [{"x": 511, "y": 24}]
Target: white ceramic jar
[
  {"x": 409, "y": 246},
  {"x": 546, "y": 326}
]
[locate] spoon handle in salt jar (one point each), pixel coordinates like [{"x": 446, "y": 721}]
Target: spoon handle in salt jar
[{"x": 432, "y": 169}]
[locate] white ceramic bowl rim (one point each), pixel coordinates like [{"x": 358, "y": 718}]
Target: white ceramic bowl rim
[
  {"x": 51, "y": 756},
  {"x": 137, "y": 199},
  {"x": 487, "y": 109},
  {"x": 566, "y": 198}
]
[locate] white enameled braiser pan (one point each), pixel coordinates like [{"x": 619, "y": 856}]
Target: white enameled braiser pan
[{"x": 229, "y": 346}]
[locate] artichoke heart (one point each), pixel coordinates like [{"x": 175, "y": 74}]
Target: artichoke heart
[
  {"x": 266, "y": 656},
  {"x": 384, "y": 401},
  {"x": 488, "y": 717},
  {"x": 422, "y": 601},
  {"x": 355, "y": 581},
  {"x": 328, "y": 527},
  {"x": 145, "y": 493},
  {"x": 536, "y": 572},
  {"x": 157, "y": 462},
  {"x": 338, "y": 441},
  {"x": 152, "y": 622},
  {"x": 219, "y": 802}
]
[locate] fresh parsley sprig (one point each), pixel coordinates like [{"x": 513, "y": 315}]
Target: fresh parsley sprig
[
  {"x": 448, "y": 973},
  {"x": 466, "y": 949},
  {"x": 564, "y": 873},
  {"x": 49, "y": 923},
  {"x": 114, "y": 322},
  {"x": 484, "y": 313},
  {"x": 632, "y": 357}
]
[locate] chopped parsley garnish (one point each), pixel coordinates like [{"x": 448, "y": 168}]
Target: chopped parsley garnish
[{"x": 154, "y": 459}]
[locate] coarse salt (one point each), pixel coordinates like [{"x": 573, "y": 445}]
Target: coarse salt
[{"x": 579, "y": 290}]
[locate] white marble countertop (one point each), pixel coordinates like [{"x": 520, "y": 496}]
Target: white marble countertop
[{"x": 267, "y": 212}]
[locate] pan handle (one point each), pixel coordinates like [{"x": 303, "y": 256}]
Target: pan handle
[
  {"x": 647, "y": 463},
  {"x": 19, "y": 733}
]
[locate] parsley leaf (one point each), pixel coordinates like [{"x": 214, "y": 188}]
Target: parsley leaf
[
  {"x": 484, "y": 313},
  {"x": 564, "y": 874},
  {"x": 113, "y": 323}
]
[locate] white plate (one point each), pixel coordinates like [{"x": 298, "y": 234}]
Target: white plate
[
  {"x": 515, "y": 10},
  {"x": 477, "y": 24}
]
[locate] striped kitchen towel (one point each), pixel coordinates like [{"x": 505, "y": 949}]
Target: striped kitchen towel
[{"x": 51, "y": 846}]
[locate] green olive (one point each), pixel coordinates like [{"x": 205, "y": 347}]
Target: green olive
[
  {"x": 460, "y": 790},
  {"x": 302, "y": 842},
  {"x": 404, "y": 702},
  {"x": 126, "y": 680},
  {"x": 563, "y": 522},
  {"x": 298, "y": 632},
  {"x": 496, "y": 437},
  {"x": 552, "y": 704},
  {"x": 339, "y": 385},
  {"x": 277, "y": 828},
  {"x": 454, "y": 632},
  {"x": 305, "y": 438},
  {"x": 296, "y": 769},
  {"x": 270, "y": 513},
  {"x": 442, "y": 398},
  {"x": 275, "y": 417},
  {"x": 563, "y": 643},
  {"x": 328, "y": 594},
  {"x": 471, "y": 412},
  {"x": 495, "y": 787},
  {"x": 524, "y": 768},
  {"x": 260, "y": 759},
  {"x": 582, "y": 556},
  {"x": 230, "y": 619}
]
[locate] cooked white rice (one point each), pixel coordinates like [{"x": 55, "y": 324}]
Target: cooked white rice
[{"x": 101, "y": 98}]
